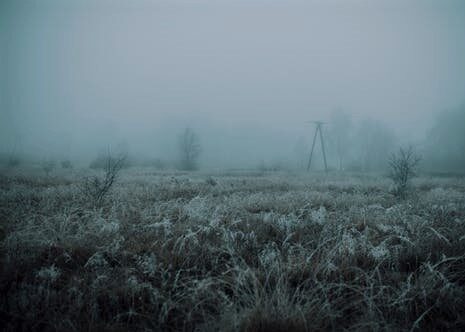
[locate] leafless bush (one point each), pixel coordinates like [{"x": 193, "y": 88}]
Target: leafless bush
[
  {"x": 96, "y": 188},
  {"x": 403, "y": 166}
]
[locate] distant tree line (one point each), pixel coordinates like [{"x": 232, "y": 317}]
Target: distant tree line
[
  {"x": 363, "y": 145},
  {"x": 444, "y": 148},
  {"x": 368, "y": 145}
]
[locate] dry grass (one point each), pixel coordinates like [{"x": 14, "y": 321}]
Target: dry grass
[{"x": 231, "y": 252}]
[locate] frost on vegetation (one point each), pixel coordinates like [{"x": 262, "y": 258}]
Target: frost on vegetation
[
  {"x": 437, "y": 194},
  {"x": 269, "y": 256},
  {"x": 190, "y": 238},
  {"x": 214, "y": 222},
  {"x": 376, "y": 209},
  {"x": 96, "y": 261},
  {"x": 380, "y": 252},
  {"x": 147, "y": 264},
  {"x": 165, "y": 226},
  {"x": 51, "y": 273},
  {"x": 398, "y": 213},
  {"x": 348, "y": 244},
  {"x": 198, "y": 208},
  {"x": 445, "y": 210},
  {"x": 328, "y": 266},
  {"x": 319, "y": 216},
  {"x": 109, "y": 227},
  {"x": 387, "y": 228},
  {"x": 353, "y": 242},
  {"x": 211, "y": 254},
  {"x": 288, "y": 222},
  {"x": 132, "y": 282},
  {"x": 394, "y": 210},
  {"x": 135, "y": 285},
  {"x": 285, "y": 223},
  {"x": 248, "y": 238},
  {"x": 268, "y": 217},
  {"x": 100, "y": 281},
  {"x": 115, "y": 245}
]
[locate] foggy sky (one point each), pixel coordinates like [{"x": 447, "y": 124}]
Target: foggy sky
[{"x": 76, "y": 76}]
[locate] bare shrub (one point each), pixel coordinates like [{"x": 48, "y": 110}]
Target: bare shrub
[
  {"x": 96, "y": 188},
  {"x": 403, "y": 166}
]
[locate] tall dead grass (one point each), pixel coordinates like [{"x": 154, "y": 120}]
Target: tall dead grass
[{"x": 176, "y": 252}]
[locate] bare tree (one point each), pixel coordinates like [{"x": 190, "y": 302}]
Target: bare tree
[
  {"x": 96, "y": 188},
  {"x": 403, "y": 165},
  {"x": 189, "y": 148}
]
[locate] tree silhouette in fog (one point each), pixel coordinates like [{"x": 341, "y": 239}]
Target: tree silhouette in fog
[
  {"x": 190, "y": 149},
  {"x": 445, "y": 143}
]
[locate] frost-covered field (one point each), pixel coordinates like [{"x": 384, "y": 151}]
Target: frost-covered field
[{"x": 231, "y": 252}]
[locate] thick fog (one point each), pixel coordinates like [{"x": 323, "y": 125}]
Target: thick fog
[{"x": 81, "y": 77}]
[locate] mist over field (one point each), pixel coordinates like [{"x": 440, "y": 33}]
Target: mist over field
[
  {"x": 80, "y": 76},
  {"x": 232, "y": 165}
]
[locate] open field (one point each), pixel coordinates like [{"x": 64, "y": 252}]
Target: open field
[{"x": 237, "y": 251}]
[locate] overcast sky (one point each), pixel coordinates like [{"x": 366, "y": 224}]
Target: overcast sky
[{"x": 78, "y": 75}]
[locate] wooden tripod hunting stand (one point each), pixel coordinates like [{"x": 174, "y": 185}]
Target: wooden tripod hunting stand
[{"x": 318, "y": 129}]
